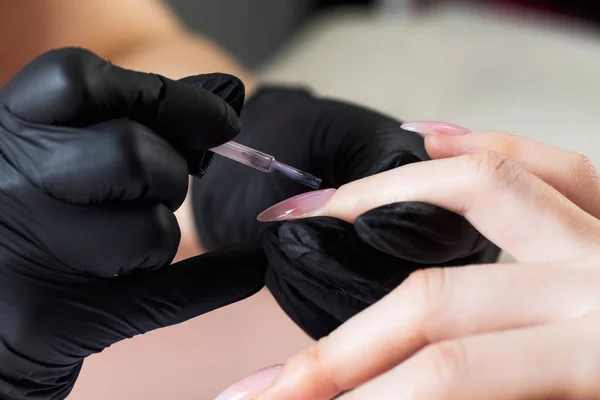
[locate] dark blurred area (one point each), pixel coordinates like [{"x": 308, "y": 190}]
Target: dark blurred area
[
  {"x": 588, "y": 10},
  {"x": 252, "y": 29},
  {"x": 255, "y": 29}
]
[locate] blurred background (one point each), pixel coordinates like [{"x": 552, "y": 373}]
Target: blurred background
[
  {"x": 257, "y": 29},
  {"x": 527, "y": 67}
]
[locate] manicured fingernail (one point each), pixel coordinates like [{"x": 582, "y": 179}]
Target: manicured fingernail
[
  {"x": 434, "y": 127},
  {"x": 296, "y": 207},
  {"x": 251, "y": 385}
]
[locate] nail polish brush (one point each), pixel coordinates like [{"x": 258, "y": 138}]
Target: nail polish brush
[{"x": 265, "y": 163}]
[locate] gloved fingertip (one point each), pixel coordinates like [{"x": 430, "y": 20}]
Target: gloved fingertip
[
  {"x": 228, "y": 87},
  {"x": 193, "y": 119},
  {"x": 232, "y": 118},
  {"x": 418, "y": 232}
]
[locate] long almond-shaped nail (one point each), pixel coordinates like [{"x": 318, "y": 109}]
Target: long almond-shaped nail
[
  {"x": 251, "y": 385},
  {"x": 435, "y": 127},
  {"x": 296, "y": 207}
]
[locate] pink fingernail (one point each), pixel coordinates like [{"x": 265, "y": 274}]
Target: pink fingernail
[
  {"x": 251, "y": 385},
  {"x": 435, "y": 127},
  {"x": 296, "y": 207}
]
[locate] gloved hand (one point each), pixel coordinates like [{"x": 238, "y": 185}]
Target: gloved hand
[
  {"x": 322, "y": 270},
  {"x": 95, "y": 159}
]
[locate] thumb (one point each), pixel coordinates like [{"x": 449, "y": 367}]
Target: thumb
[
  {"x": 424, "y": 233},
  {"x": 143, "y": 301}
]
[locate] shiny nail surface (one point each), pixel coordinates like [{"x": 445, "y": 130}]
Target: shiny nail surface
[
  {"x": 435, "y": 127},
  {"x": 296, "y": 207},
  {"x": 251, "y": 385}
]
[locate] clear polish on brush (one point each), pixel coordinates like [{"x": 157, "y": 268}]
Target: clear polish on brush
[{"x": 265, "y": 163}]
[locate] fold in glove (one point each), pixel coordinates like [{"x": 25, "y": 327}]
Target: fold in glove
[{"x": 322, "y": 271}]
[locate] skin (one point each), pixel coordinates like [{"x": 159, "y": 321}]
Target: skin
[
  {"x": 527, "y": 330},
  {"x": 142, "y": 35}
]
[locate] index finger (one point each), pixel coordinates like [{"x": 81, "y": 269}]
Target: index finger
[
  {"x": 74, "y": 87},
  {"x": 572, "y": 174},
  {"x": 513, "y": 208}
]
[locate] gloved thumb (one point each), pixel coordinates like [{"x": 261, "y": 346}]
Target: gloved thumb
[
  {"x": 134, "y": 304},
  {"x": 422, "y": 233}
]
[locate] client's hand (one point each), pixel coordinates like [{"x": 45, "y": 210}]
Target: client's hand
[
  {"x": 335, "y": 141},
  {"x": 340, "y": 143},
  {"x": 95, "y": 159},
  {"x": 518, "y": 331}
]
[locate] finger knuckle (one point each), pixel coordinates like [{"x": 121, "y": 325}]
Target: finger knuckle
[
  {"x": 583, "y": 170},
  {"x": 313, "y": 365},
  {"x": 446, "y": 363},
  {"x": 427, "y": 288},
  {"x": 492, "y": 168},
  {"x": 325, "y": 368},
  {"x": 77, "y": 69},
  {"x": 501, "y": 142}
]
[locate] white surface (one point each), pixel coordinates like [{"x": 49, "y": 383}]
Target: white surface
[{"x": 483, "y": 71}]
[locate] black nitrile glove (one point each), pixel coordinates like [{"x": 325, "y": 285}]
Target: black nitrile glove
[
  {"x": 322, "y": 270},
  {"x": 95, "y": 159}
]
